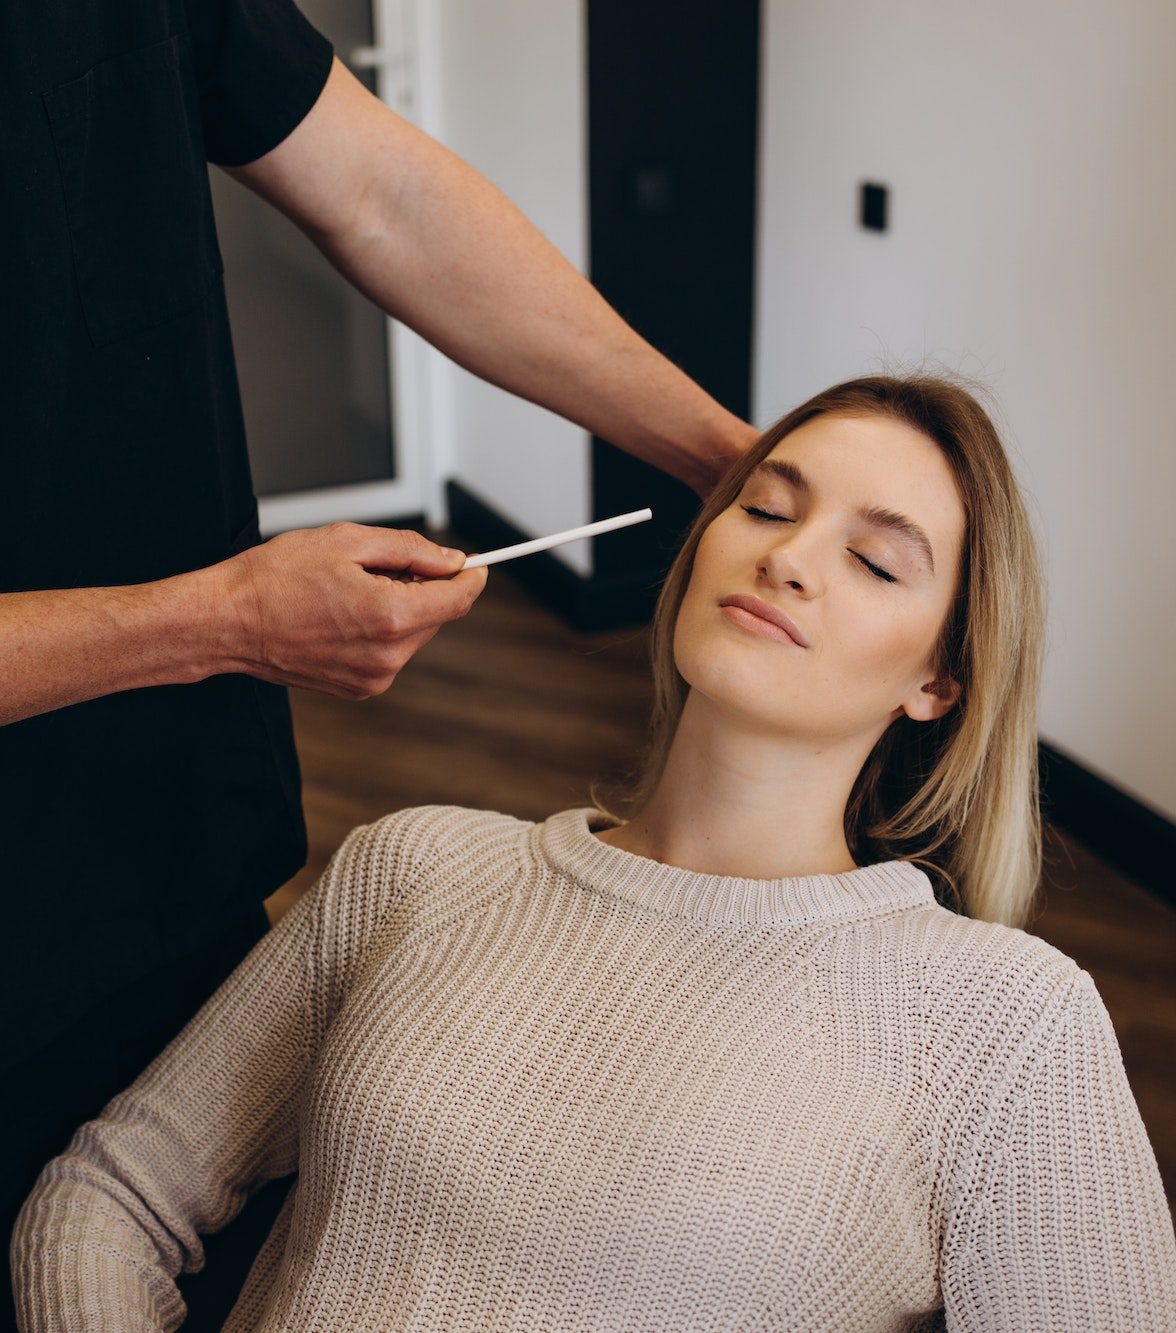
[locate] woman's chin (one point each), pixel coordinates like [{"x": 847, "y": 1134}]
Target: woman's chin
[
  {"x": 737, "y": 670},
  {"x": 740, "y": 697}
]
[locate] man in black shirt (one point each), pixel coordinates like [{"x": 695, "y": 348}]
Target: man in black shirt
[{"x": 149, "y": 791}]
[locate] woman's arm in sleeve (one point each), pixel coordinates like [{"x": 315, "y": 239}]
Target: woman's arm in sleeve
[
  {"x": 1059, "y": 1220},
  {"x": 119, "y": 1214}
]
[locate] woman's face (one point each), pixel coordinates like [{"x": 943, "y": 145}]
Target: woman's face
[{"x": 866, "y": 598}]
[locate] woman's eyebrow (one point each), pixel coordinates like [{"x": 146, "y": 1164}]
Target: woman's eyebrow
[{"x": 876, "y": 517}]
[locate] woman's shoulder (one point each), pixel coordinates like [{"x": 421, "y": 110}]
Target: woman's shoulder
[
  {"x": 992, "y": 995},
  {"x": 418, "y": 867},
  {"x": 419, "y": 828},
  {"x": 955, "y": 949},
  {"x": 425, "y": 840},
  {"x": 974, "y": 975}
]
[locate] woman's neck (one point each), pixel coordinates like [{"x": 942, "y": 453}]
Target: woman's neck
[{"x": 737, "y": 802}]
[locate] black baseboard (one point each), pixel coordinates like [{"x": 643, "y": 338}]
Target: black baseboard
[
  {"x": 589, "y": 605},
  {"x": 1137, "y": 841}
]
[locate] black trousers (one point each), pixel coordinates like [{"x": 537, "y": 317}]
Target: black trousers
[{"x": 46, "y": 1097}]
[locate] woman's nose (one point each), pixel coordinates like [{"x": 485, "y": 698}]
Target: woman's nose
[{"x": 785, "y": 564}]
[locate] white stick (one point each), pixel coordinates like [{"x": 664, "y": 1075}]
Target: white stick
[{"x": 557, "y": 539}]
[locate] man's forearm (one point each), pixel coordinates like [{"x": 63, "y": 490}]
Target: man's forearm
[
  {"x": 310, "y": 608},
  {"x": 520, "y": 316},
  {"x": 438, "y": 246},
  {"x": 64, "y": 646},
  {"x": 464, "y": 268}
]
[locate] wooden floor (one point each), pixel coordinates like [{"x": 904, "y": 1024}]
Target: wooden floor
[{"x": 509, "y": 710}]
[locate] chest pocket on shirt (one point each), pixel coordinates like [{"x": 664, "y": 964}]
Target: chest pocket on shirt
[{"x": 128, "y": 142}]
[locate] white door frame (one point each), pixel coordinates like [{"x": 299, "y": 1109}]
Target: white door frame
[{"x": 394, "y": 57}]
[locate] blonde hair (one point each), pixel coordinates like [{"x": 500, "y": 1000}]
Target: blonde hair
[{"x": 958, "y": 796}]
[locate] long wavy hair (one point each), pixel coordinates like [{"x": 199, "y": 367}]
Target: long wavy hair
[{"x": 957, "y": 796}]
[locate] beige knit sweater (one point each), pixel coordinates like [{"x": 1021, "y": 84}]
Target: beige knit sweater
[{"x": 532, "y": 1081}]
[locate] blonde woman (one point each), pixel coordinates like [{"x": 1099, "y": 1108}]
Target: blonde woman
[{"x": 772, "y": 1052}]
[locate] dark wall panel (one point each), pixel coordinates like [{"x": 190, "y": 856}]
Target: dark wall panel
[{"x": 672, "y": 93}]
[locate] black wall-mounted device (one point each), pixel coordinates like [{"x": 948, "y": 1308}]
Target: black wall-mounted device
[{"x": 875, "y": 201}]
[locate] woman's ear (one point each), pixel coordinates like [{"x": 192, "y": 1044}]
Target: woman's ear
[{"x": 931, "y": 700}]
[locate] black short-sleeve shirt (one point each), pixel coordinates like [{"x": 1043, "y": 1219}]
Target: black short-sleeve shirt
[
  {"x": 259, "y": 66},
  {"x": 132, "y": 827}
]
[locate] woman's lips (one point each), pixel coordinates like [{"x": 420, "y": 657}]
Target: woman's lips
[{"x": 760, "y": 618}]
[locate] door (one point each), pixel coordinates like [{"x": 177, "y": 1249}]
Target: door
[{"x": 328, "y": 382}]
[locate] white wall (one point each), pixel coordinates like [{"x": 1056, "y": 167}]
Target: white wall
[
  {"x": 504, "y": 87},
  {"x": 1028, "y": 145}
]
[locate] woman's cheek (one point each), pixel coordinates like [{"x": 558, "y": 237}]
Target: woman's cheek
[
  {"x": 885, "y": 653},
  {"x": 686, "y": 633}
]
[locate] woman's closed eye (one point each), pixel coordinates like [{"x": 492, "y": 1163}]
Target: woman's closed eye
[
  {"x": 756, "y": 512},
  {"x": 767, "y": 516}
]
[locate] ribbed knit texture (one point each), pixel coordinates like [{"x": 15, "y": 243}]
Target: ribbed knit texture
[{"x": 532, "y": 1081}]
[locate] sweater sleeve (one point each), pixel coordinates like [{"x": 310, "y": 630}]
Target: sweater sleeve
[
  {"x": 114, "y": 1219},
  {"x": 1058, "y": 1219}
]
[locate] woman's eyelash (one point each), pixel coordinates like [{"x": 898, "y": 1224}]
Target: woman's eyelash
[
  {"x": 766, "y": 514},
  {"x": 874, "y": 569}
]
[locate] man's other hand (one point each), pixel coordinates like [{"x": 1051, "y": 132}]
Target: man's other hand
[{"x": 320, "y": 609}]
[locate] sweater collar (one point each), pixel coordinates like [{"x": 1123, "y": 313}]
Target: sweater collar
[{"x": 569, "y": 845}]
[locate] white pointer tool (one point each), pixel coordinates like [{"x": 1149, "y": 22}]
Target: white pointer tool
[{"x": 557, "y": 539}]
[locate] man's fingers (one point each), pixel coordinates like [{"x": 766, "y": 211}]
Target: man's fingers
[
  {"x": 413, "y": 622},
  {"x": 432, "y": 602},
  {"x": 396, "y": 549}
]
